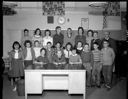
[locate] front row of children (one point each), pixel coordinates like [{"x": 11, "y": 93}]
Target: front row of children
[{"x": 58, "y": 58}]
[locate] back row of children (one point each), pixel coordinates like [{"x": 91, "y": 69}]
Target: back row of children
[{"x": 77, "y": 57}]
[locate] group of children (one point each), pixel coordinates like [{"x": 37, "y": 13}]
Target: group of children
[{"x": 53, "y": 53}]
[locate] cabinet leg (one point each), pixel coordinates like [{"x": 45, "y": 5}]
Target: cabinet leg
[
  {"x": 84, "y": 96},
  {"x": 25, "y": 96}
]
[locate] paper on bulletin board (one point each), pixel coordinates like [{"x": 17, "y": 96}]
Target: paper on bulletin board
[{"x": 85, "y": 23}]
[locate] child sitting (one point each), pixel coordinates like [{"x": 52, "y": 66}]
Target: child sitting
[
  {"x": 37, "y": 48},
  {"x": 59, "y": 60},
  {"x": 42, "y": 60},
  {"x": 67, "y": 51},
  {"x": 74, "y": 60}
]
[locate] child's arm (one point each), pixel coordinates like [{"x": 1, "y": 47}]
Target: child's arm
[
  {"x": 101, "y": 57},
  {"x": 80, "y": 61},
  {"x": 113, "y": 54},
  {"x": 92, "y": 61}
]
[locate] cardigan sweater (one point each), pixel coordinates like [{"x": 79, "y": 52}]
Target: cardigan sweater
[{"x": 25, "y": 53}]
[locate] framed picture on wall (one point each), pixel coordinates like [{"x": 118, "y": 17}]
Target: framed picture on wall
[
  {"x": 85, "y": 23},
  {"x": 50, "y": 19}
]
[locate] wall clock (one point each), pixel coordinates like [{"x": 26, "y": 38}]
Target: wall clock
[{"x": 61, "y": 20}]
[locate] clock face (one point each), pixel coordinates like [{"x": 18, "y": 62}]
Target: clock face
[{"x": 61, "y": 20}]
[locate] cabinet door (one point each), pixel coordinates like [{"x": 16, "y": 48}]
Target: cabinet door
[
  {"x": 77, "y": 82},
  {"x": 33, "y": 82}
]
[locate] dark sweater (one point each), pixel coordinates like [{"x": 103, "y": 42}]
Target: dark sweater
[
  {"x": 87, "y": 57},
  {"x": 95, "y": 40},
  {"x": 58, "y": 38},
  {"x": 81, "y": 38}
]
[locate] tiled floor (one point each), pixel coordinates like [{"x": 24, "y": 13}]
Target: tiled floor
[{"x": 117, "y": 92}]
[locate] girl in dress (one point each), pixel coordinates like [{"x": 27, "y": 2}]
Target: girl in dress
[
  {"x": 16, "y": 68},
  {"x": 89, "y": 37}
]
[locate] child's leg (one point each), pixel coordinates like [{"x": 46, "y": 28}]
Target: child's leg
[
  {"x": 88, "y": 72},
  {"x": 99, "y": 67},
  {"x": 104, "y": 71},
  {"x": 109, "y": 75},
  {"x": 12, "y": 82},
  {"x": 94, "y": 74}
]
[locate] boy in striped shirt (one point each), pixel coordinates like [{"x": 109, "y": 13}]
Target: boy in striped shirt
[{"x": 97, "y": 66}]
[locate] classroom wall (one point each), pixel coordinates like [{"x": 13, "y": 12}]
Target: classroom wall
[{"x": 13, "y": 25}]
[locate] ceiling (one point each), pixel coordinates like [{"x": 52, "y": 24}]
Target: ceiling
[{"x": 70, "y": 7}]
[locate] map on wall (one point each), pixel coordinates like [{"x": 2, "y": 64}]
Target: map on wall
[{"x": 53, "y": 8}]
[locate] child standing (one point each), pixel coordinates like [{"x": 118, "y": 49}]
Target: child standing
[
  {"x": 97, "y": 66},
  {"x": 25, "y": 37},
  {"x": 37, "y": 36},
  {"x": 87, "y": 60},
  {"x": 89, "y": 37},
  {"x": 16, "y": 68},
  {"x": 42, "y": 60},
  {"x": 28, "y": 53},
  {"x": 58, "y": 37},
  {"x": 108, "y": 57},
  {"x": 47, "y": 38},
  {"x": 37, "y": 48},
  {"x": 74, "y": 60},
  {"x": 69, "y": 37}
]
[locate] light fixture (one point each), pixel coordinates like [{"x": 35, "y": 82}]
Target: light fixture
[{"x": 98, "y": 4}]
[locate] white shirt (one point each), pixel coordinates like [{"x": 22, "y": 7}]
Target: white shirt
[
  {"x": 47, "y": 39},
  {"x": 67, "y": 53},
  {"x": 37, "y": 51},
  {"x": 16, "y": 54},
  {"x": 37, "y": 37},
  {"x": 29, "y": 54},
  {"x": 80, "y": 48}
]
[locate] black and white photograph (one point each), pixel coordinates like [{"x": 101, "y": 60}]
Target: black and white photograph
[{"x": 64, "y": 50}]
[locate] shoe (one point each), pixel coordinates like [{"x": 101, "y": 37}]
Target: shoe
[
  {"x": 108, "y": 87},
  {"x": 98, "y": 86},
  {"x": 14, "y": 89},
  {"x": 93, "y": 85}
]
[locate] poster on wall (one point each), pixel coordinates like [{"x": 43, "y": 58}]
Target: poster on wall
[{"x": 85, "y": 23}]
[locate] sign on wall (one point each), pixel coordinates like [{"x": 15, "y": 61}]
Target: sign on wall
[{"x": 85, "y": 23}]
